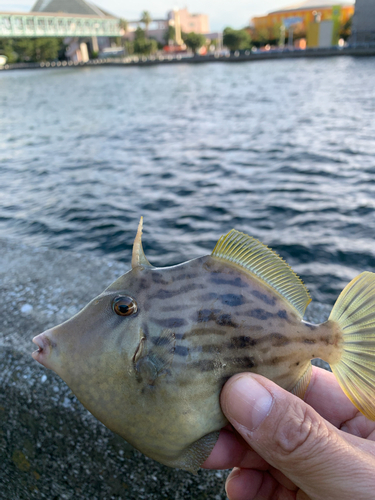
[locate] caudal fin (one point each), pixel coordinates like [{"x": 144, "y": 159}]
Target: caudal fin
[{"x": 354, "y": 312}]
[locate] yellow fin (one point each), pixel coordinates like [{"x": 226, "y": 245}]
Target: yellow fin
[
  {"x": 258, "y": 259},
  {"x": 354, "y": 312},
  {"x": 301, "y": 386}
]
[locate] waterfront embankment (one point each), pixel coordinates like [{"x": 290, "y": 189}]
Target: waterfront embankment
[
  {"x": 215, "y": 58},
  {"x": 50, "y": 446}
]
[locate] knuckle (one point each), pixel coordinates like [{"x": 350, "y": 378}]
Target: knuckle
[{"x": 298, "y": 432}]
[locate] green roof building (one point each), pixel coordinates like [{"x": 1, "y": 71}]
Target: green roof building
[{"x": 79, "y": 7}]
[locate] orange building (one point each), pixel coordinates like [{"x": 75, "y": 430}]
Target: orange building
[{"x": 307, "y": 11}]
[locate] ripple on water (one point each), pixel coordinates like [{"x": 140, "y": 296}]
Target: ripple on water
[{"x": 273, "y": 149}]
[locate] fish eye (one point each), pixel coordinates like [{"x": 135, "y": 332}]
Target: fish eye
[{"x": 124, "y": 306}]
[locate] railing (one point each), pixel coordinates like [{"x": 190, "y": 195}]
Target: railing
[
  {"x": 59, "y": 25},
  {"x": 179, "y": 58}
]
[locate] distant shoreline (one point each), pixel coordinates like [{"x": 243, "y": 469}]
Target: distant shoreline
[{"x": 178, "y": 59}]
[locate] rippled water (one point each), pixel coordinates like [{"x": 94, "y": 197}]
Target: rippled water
[{"x": 282, "y": 150}]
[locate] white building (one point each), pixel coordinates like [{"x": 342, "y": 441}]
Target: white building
[{"x": 77, "y": 49}]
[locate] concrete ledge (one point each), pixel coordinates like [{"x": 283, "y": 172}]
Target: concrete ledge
[
  {"x": 153, "y": 61},
  {"x": 50, "y": 446}
]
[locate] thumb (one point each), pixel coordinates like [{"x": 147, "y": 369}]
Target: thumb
[{"x": 295, "y": 439}]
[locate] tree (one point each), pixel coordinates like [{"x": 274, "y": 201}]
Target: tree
[
  {"x": 263, "y": 36},
  {"x": 346, "y": 29},
  {"x": 236, "y": 39},
  {"x": 194, "y": 41},
  {"x": 146, "y": 19},
  {"x": 39, "y": 49},
  {"x": 7, "y": 49},
  {"x": 129, "y": 47},
  {"x": 124, "y": 25},
  {"x": 170, "y": 34},
  {"x": 276, "y": 34},
  {"x": 32, "y": 49},
  {"x": 143, "y": 45}
]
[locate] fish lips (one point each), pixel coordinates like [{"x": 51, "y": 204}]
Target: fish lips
[{"x": 45, "y": 345}]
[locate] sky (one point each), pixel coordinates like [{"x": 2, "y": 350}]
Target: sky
[{"x": 222, "y": 13}]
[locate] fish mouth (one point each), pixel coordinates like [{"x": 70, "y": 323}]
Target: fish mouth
[{"x": 44, "y": 348}]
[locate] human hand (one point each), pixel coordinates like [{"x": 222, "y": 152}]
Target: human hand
[{"x": 283, "y": 448}]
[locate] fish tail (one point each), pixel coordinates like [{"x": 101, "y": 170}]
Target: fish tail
[{"x": 354, "y": 313}]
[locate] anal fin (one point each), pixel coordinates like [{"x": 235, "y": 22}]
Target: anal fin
[
  {"x": 194, "y": 455},
  {"x": 301, "y": 386}
]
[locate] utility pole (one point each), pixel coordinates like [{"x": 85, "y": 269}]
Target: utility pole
[
  {"x": 177, "y": 27},
  {"x": 290, "y": 39},
  {"x": 282, "y": 36}
]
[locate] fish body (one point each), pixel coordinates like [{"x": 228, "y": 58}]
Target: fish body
[{"x": 149, "y": 356}]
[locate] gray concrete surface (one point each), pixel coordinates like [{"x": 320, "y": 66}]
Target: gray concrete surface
[{"x": 50, "y": 446}]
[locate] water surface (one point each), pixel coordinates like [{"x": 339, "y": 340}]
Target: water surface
[{"x": 282, "y": 150}]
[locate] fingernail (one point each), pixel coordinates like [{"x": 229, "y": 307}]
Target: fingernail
[
  {"x": 236, "y": 471},
  {"x": 247, "y": 402}
]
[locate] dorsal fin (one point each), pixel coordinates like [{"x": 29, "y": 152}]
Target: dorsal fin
[
  {"x": 138, "y": 256},
  {"x": 258, "y": 259}
]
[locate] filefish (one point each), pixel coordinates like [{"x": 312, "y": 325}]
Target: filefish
[{"x": 149, "y": 356}]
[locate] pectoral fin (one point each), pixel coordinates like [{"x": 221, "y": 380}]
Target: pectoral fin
[{"x": 153, "y": 356}]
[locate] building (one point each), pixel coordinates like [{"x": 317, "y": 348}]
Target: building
[
  {"x": 301, "y": 15},
  {"x": 198, "y": 23},
  {"x": 70, "y": 7},
  {"x": 78, "y": 47},
  {"x": 363, "y": 27},
  {"x": 180, "y": 19},
  {"x": 157, "y": 29}
]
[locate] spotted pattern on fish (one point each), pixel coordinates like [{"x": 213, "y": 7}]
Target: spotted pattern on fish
[
  {"x": 236, "y": 282},
  {"x": 282, "y": 314},
  {"x": 241, "y": 342},
  {"x": 170, "y": 294},
  {"x": 196, "y": 325},
  {"x": 260, "y": 314},
  {"x": 170, "y": 322},
  {"x": 271, "y": 301},
  {"x": 228, "y": 312}
]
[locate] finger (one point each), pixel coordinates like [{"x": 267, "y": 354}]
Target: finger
[
  {"x": 231, "y": 451},
  {"x": 245, "y": 484},
  {"x": 249, "y": 484},
  {"x": 282, "y": 479},
  {"x": 325, "y": 395},
  {"x": 294, "y": 439},
  {"x": 360, "y": 426}
]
